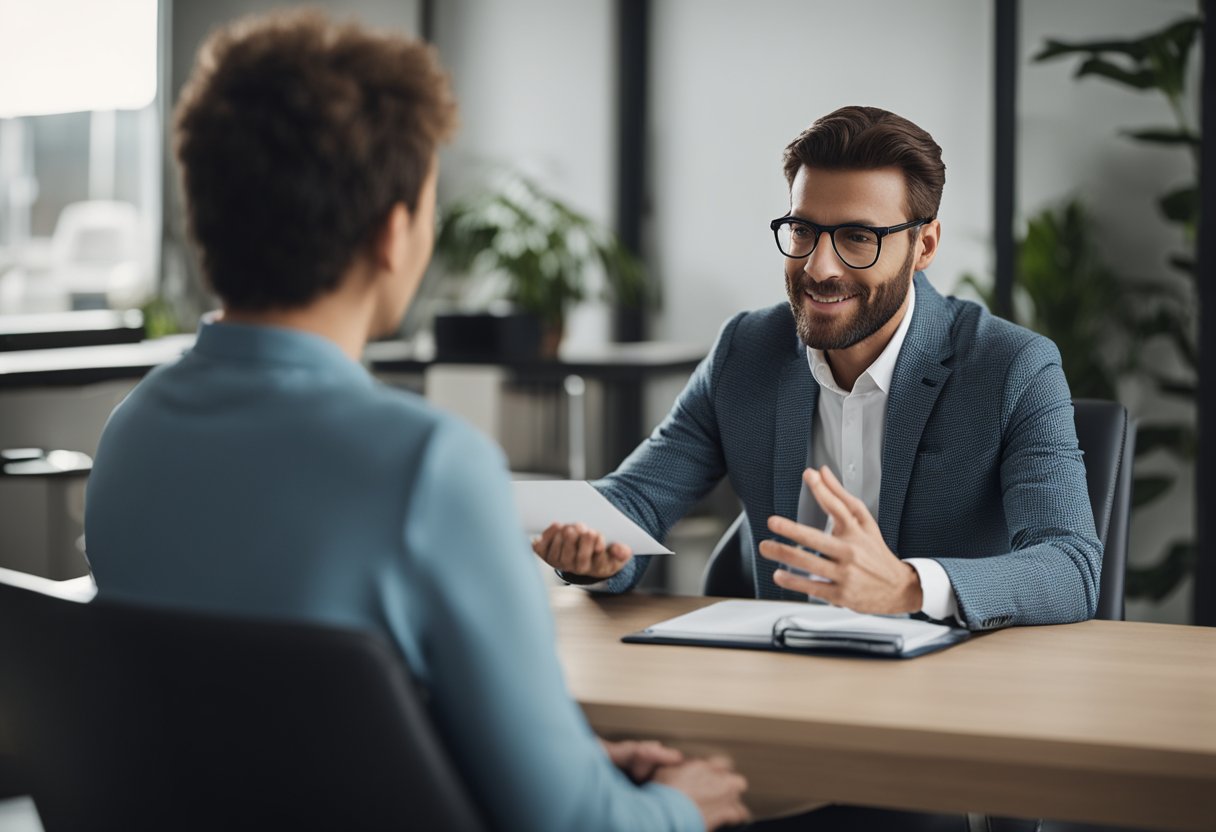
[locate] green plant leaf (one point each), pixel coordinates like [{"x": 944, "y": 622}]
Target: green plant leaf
[
  {"x": 1184, "y": 263},
  {"x": 1181, "y": 205},
  {"x": 1147, "y": 489},
  {"x": 1164, "y": 135},
  {"x": 1156, "y": 582},
  {"x": 1055, "y": 48},
  {"x": 1140, "y": 79},
  {"x": 1180, "y": 440}
]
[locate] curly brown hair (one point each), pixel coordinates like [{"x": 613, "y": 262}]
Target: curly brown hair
[
  {"x": 867, "y": 138},
  {"x": 296, "y": 135}
]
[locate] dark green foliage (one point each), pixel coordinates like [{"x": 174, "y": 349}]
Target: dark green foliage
[
  {"x": 1085, "y": 308},
  {"x": 544, "y": 248}
]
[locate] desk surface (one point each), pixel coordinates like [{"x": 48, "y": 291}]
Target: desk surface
[
  {"x": 1108, "y": 722},
  {"x": 87, "y": 365}
]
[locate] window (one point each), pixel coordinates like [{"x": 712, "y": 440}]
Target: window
[{"x": 80, "y": 150}]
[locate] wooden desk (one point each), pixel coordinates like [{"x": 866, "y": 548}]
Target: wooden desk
[{"x": 1106, "y": 722}]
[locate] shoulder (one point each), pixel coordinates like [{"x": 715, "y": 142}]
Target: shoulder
[
  {"x": 759, "y": 335},
  {"x": 984, "y": 340},
  {"x": 389, "y": 416}
]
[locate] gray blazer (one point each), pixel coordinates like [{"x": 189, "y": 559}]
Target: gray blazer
[{"x": 981, "y": 468}]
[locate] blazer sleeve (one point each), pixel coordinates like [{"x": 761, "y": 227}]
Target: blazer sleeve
[
  {"x": 677, "y": 465},
  {"x": 1052, "y": 572},
  {"x": 483, "y": 640}
]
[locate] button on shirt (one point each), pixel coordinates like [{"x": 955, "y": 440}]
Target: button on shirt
[{"x": 848, "y": 436}]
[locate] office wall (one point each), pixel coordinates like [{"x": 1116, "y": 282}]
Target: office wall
[
  {"x": 184, "y": 25},
  {"x": 733, "y": 83},
  {"x": 536, "y": 85},
  {"x": 1069, "y": 144}
]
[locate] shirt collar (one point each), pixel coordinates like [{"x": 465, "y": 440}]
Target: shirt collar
[
  {"x": 254, "y": 344},
  {"x": 877, "y": 375}
]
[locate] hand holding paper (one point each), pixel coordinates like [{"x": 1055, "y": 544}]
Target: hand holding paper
[
  {"x": 576, "y": 530},
  {"x": 577, "y": 550}
]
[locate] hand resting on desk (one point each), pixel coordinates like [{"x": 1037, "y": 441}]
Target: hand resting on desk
[{"x": 578, "y": 550}]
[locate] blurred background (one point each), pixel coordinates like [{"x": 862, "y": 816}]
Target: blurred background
[{"x": 615, "y": 171}]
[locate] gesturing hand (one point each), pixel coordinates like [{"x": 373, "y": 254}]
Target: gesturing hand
[
  {"x": 862, "y": 573},
  {"x": 576, "y": 549},
  {"x": 640, "y": 760}
]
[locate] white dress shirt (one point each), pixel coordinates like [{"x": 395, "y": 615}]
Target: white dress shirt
[{"x": 848, "y": 435}]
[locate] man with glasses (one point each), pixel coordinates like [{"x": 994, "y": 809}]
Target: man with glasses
[{"x": 918, "y": 452}]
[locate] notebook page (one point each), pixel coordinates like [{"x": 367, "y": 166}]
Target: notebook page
[{"x": 743, "y": 622}]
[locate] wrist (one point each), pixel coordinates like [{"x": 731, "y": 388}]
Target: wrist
[
  {"x": 578, "y": 580},
  {"x": 913, "y": 595}
]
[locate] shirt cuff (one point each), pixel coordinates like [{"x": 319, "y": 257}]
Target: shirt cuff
[{"x": 937, "y": 593}]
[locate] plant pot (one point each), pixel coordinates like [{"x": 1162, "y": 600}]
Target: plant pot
[
  {"x": 551, "y": 339},
  {"x": 488, "y": 336}
]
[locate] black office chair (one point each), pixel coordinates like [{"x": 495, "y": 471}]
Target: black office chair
[
  {"x": 124, "y": 717},
  {"x": 1106, "y": 436}
]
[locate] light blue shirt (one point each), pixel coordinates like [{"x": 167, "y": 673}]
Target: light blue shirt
[{"x": 265, "y": 473}]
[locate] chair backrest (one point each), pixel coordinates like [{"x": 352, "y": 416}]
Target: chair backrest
[
  {"x": 124, "y": 717},
  {"x": 1106, "y": 436}
]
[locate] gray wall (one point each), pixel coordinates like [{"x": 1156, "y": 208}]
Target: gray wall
[{"x": 734, "y": 83}]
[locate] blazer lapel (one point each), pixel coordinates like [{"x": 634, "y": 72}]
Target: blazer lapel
[
  {"x": 797, "y": 396},
  {"x": 920, "y": 374}
]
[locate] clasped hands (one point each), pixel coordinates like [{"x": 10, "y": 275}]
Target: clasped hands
[
  {"x": 711, "y": 783},
  {"x": 858, "y": 569}
]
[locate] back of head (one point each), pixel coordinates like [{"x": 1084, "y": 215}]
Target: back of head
[
  {"x": 868, "y": 138},
  {"x": 296, "y": 136}
]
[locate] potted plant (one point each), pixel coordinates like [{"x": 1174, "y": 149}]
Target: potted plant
[{"x": 542, "y": 251}]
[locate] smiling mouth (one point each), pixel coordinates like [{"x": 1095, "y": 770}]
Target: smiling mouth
[{"x": 818, "y": 298}]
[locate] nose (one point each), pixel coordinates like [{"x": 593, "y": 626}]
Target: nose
[{"x": 822, "y": 263}]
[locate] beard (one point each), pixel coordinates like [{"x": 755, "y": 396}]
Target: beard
[{"x": 875, "y": 307}]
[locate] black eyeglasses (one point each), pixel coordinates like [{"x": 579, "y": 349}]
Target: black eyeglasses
[{"x": 857, "y": 246}]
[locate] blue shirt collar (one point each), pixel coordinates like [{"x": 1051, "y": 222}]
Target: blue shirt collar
[{"x": 273, "y": 345}]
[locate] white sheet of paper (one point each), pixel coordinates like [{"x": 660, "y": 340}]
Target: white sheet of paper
[{"x": 541, "y": 502}]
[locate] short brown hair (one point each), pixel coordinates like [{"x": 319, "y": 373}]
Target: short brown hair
[
  {"x": 867, "y": 138},
  {"x": 296, "y": 136}
]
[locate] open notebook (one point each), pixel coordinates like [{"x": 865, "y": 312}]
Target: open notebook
[{"x": 802, "y": 628}]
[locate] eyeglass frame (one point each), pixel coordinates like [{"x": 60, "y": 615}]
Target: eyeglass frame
[{"x": 879, "y": 231}]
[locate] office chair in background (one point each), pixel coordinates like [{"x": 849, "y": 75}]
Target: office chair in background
[
  {"x": 125, "y": 717},
  {"x": 1107, "y": 437}
]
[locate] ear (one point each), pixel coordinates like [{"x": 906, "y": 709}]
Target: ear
[
  {"x": 928, "y": 238},
  {"x": 389, "y": 243}
]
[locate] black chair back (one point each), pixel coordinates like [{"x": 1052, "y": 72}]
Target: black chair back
[
  {"x": 1105, "y": 435},
  {"x": 124, "y": 717}
]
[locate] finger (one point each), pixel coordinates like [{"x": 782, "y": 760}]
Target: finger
[
  {"x": 740, "y": 812},
  {"x": 799, "y": 559},
  {"x": 550, "y": 545},
  {"x": 854, "y": 504},
  {"x": 661, "y": 754},
  {"x": 812, "y": 538},
  {"x": 585, "y": 545},
  {"x": 570, "y": 552},
  {"x": 828, "y": 501},
  {"x": 817, "y": 589},
  {"x": 620, "y": 552}
]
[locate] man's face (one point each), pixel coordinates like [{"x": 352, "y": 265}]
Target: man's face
[{"x": 835, "y": 306}]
